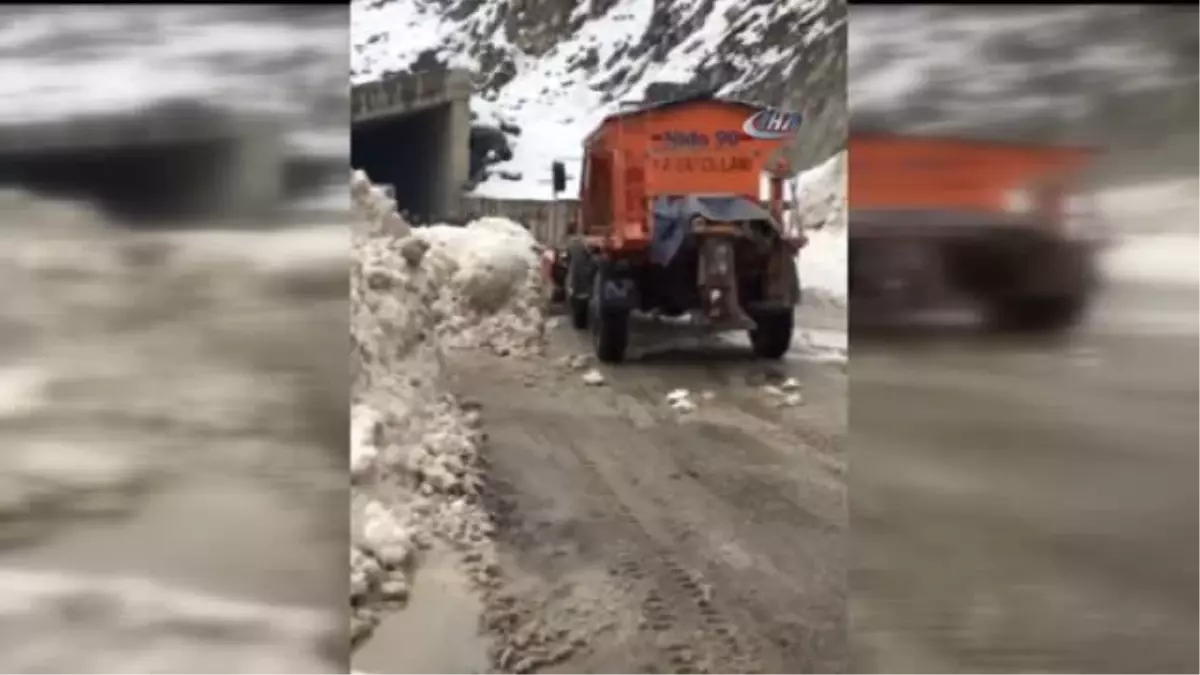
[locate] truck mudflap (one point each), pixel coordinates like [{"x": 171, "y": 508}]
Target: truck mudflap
[{"x": 718, "y": 284}]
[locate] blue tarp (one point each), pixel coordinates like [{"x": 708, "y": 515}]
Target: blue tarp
[{"x": 673, "y": 219}]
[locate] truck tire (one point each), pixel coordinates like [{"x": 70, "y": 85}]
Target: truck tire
[
  {"x": 578, "y": 276},
  {"x": 579, "y": 310},
  {"x": 1039, "y": 314},
  {"x": 772, "y": 337},
  {"x": 610, "y": 326}
]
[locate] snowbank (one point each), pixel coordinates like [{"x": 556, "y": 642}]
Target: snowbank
[
  {"x": 134, "y": 371},
  {"x": 415, "y": 450},
  {"x": 492, "y": 289},
  {"x": 821, "y": 211},
  {"x": 135, "y": 624},
  {"x": 1167, "y": 259},
  {"x": 1157, "y": 239}
]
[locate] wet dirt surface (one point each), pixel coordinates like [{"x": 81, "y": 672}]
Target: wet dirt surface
[
  {"x": 1029, "y": 506},
  {"x": 634, "y": 538},
  {"x": 438, "y": 630}
]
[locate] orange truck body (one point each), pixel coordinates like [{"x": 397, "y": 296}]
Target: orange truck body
[
  {"x": 1006, "y": 227},
  {"x": 896, "y": 172},
  {"x": 688, "y": 147}
]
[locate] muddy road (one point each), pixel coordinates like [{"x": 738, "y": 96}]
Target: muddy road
[
  {"x": 1029, "y": 507},
  {"x": 635, "y": 538}
]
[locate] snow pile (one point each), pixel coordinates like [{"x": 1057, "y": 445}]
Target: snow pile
[
  {"x": 415, "y": 450},
  {"x": 100, "y": 308},
  {"x": 132, "y": 371},
  {"x": 492, "y": 293},
  {"x": 821, "y": 212},
  {"x": 137, "y": 625},
  {"x": 483, "y": 279},
  {"x": 1156, "y": 238}
]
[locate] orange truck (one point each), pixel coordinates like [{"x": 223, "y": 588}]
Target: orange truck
[
  {"x": 681, "y": 213},
  {"x": 1007, "y": 227}
]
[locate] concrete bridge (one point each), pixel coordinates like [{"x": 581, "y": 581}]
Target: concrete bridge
[{"x": 412, "y": 131}]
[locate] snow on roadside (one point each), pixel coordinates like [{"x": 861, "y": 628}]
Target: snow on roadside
[
  {"x": 145, "y": 626},
  {"x": 821, "y": 212},
  {"x": 417, "y": 479},
  {"x": 1168, "y": 259},
  {"x": 492, "y": 287},
  {"x": 1157, "y": 236},
  {"x": 92, "y": 310}
]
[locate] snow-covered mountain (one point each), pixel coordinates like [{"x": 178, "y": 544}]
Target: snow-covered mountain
[
  {"x": 1120, "y": 76},
  {"x": 547, "y": 71}
]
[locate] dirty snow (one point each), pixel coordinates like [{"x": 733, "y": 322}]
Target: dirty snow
[
  {"x": 1156, "y": 230},
  {"x": 821, "y": 210},
  {"x": 492, "y": 293},
  {"x": 91, "y": 483},
  {"x": 415, "y": 458},
  {"x": 139, "y": 625}
]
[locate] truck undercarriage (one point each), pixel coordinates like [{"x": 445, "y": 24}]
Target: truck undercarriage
[{"x": 1021, "y": 273}]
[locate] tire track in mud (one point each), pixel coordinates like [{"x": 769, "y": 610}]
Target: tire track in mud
[
  {"x": 681, "y": 620},
  {"x": 751, "y": 506},
  {"x": 627, "y": 466},
  {"x": 733, "y": 652}
]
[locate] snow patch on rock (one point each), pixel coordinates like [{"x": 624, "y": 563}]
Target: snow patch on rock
[{"x": 555, "y": 70}]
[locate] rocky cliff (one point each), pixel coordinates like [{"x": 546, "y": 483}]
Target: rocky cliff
[{"x": 547, "y": 71}]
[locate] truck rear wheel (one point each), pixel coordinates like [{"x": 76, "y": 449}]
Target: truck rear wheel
[
  {"x": 578, "y": 309},
  {"x": 610, "y": 335},
  {"x": 578, "y": 278},
  {"x": 610, "y": 326},
  {"x": 772, "y": 336}
]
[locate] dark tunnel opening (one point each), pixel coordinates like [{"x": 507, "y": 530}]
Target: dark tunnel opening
[
  {"x": 143, "y": 186},
  {"x": 408, "y": 152}
]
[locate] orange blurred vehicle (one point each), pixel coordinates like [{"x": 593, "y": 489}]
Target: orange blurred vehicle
[
  {"x": 673, "y": 220},
  {"x": 1006, "y": 226}
]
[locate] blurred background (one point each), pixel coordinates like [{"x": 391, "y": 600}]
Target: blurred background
[
  {"x": 173, "y": 216},
  {"x": 1028, "y": 501}
]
